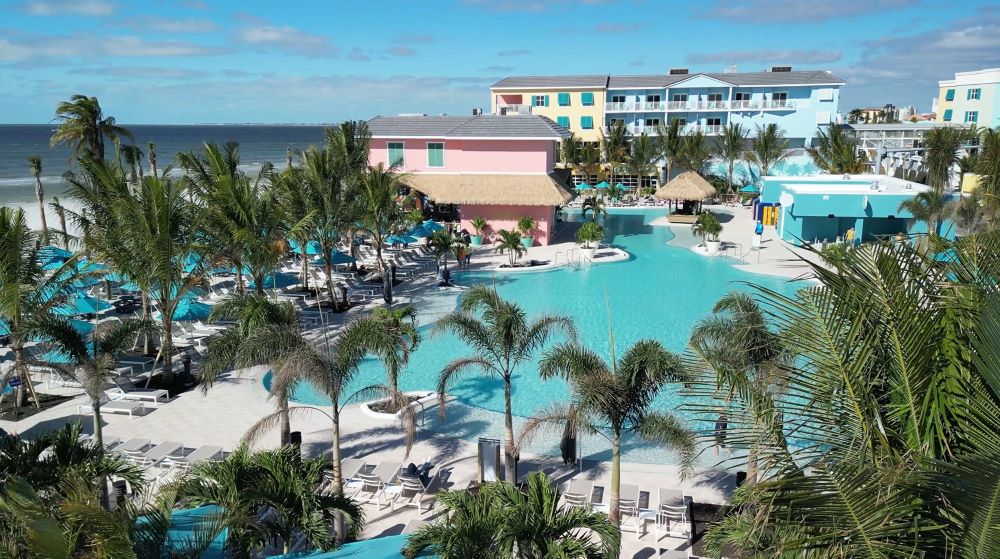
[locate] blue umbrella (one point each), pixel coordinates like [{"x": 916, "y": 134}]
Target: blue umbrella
[
  {"x": 431, "y": 225},
  {"x": 750, "y": 189},
  {"x": 419, "y": 231},
  {"x": 84, "y": 327},
  {"x": 602, "y": 185},
  {"x": 53, "y": 252},
  {"x": 53, "y": 264},
  {"x": 583, "y": 186},
  {"x": 57, "y": 356},
  {"x": 189, "y": 309},
  {"x": 312, "y": 247},
  {"x": 338, "y": 258},
  {"x": 115, "y": 277},
  {"x": 276, "y": 281},
  {"x": 81, "y": 304},
  {"x": 401, "y": 239},
  {"x": 191, "y": 261},
  {"x": 4, "y": 328}
]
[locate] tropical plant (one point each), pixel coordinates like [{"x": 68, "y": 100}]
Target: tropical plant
[
  {"x": 837, "y": 153},
  {"x": 707, "y": 227},
  {"x": 855, "y": 115},
  {"x": 35, "y": 165},
  {"x": 615, "y": 191},
  {"x": 988, "y": 169},
  {"x": 82, "y": 125},
  {"x": 479, "y": 225},
  {"x": 928, "y": 206},
  {"x": 731, "y": 148},
  {"x": 970, "y": 214},
  {"x": 500, "y": 522},
  {"x": 391, "y": 335},
  {"x": 589, "y": 232},
  {"x": 61, "y": 214},
  {"x": 151, "y": 157},
  {"x": 885, "y": 440},
  {"x": 615, "y": 147},
  {"x": 526, "y": 225},
  {"x": 593, "y": 205},
  {"x": 268, "y": 497},
  {"x": 380, "y": 213},
  {"x": 642, "y": 157},
  {"x": 509, "y": 243},
  {"x": 967, "y": 164},
  {"x": 503, "y": 339},
  {"x": 695, "y": 153},
  {"x": 570, "y": 154},
  {"x": 768, "y": 147},
  {"x": 941, "y": 148},
  {"x": 590, "y": 160},
  {"x": 132, "y": 155},
  {"x": 614, "y": 398},
  {"x": 670, "y": 143},
  {"x": 443, "y": 244}
]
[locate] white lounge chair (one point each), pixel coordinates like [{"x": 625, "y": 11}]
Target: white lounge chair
[
  {"x": 113, "y": 406},
  {"x": 349, "y": 470},
  {"x": 671, "y": 514},
  {"x": 409, "y": 491},
  {"x": 155, "y": 455},
  {"x": 184, "y": 461},
  {"x": 125, "y": 389},
  {"x": 628, "y": 507},
  {"x": 374, "y": 483},
  {"x": 133, "y": 445},
  {"x": 579, "y": 493}
]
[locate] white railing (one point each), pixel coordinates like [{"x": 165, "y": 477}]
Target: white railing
[
  {"x": 677, "y": 105},
  {"x": 652, "y": 106},
  {"x": 618, "y": 106},
  {"x": 744, "y": 104},
  {"x": 780, "y": 104}
]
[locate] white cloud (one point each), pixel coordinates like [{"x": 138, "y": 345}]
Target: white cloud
[
  {"x": 285, "y": 38},
  {"x": 618, "y": 27},
  {"x": 91, "y": 8},
  {"x": 18, "y": 47},
  {"x": 777, "y": 11},
  {"x": 528, "y": 5},
  {"x": 167, "y": 25},
  {"x": 142, "y": 72}
]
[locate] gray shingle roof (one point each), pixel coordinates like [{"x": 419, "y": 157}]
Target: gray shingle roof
[
  {"x": 776, "y": 78},
  {"x": 481, "y": 126},
  {"x": 597, "y": 81}
]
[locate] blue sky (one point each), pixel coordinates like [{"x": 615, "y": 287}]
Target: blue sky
[{"x": 190, "y": 61}]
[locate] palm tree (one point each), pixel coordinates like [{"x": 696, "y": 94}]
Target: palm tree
[
  {"x": 61, "y": 214},
  {"x": 35, "y": 164},
  {"x": 509, "y": 242},
  {"x": 615, "y": 396},
  {"x": 837, "y": 153},
  {"x": 380, "y": 212},
  {"x": 927, "y": 206},
  {"x": 570, "y": 154},
  {"x": 590, "y": 160},
  {"x": 707, "y": 226},
  {"x": 443, "y": 244},
  {"x": 503, "y": 340},
  {"x": 768, "y": 147},
  {"x": 988, "y": 168},
  {"x": 641, "y": 160},
  {"x": 350, "y": 143},
  {"x": 670, "y": 145},
  {"x": 743, "y": 353},
  {"x": 595, "y": 206},
  {"x": 133, "y": 159},
  {"x": 151, "y": 155},
  {"x": 941, "y": 147},
  {"x": 731, "y": 148},
  {"x": 501, "y": 522},
  {"x": 855, "y": 115},
  {"x": 615, "y": 147},
  {"x": 695, "y": 153},
  {"x": 279, "y": 482},
  {"x": 82, "y": 124},
  {"x": 391, "y": 335}
]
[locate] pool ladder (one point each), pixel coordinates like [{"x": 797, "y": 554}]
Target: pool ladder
[{"x": 572, "y": 256}]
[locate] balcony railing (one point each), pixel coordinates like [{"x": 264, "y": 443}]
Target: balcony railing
[
  {"x": 781, "y": 104},
  {"x": 677, "y": 105},
  {"x": 706, "y": 129},
  {"x": 634, "y": 106},
  {"x": 652, "y": 106},
  {"x": 744, "y": 104}
]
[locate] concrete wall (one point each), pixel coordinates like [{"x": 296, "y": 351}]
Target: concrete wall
[
  {"x": 505, "y": 217},
  {"x": 471, "y": 156}
]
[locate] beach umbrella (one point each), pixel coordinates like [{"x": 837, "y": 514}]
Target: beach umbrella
[
  {"x": 338, "y": 258},
  {"x": 115, "y": 277},
  {"x": 401, "y": 239},
  {"x": 603, "y": 185},
  {"x": 312, "y": 247},
  {"x": 432, "y": 225},
  {"x": 188, "y": 309},
  {"x": 750, "y": 189},
  {"x": 4, "y": 328},
  {"x": 276, "y": 280},
  {"x": 53, "y": 264},
  {"x": 50, "y": 251},
  {"x": 418, "y": 231},
  {"x": 81, "y": 304},
  {"x": 583, "y": 186},
  {"x": 58, "y": 357},
  {"x": 620, "y": 186}
]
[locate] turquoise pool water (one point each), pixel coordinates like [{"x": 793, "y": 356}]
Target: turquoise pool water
[{"x": 659, "y": 293}]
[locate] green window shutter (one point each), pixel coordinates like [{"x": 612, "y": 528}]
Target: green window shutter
[
  {"x": 949, "y": 95},
  {"x": 396, "y": 154},
  {"x": 546, "y": 101},
  {"x": 563, "y": 121},
  {"x": 435, "y": 155},
  {"x": 587, "y": 98},
  {"x": 564, "y": 99},
  {"x": 947, "y": 115},
  {"x": 586, "y": 122}
]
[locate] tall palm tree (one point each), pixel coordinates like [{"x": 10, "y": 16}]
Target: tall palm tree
[
  {"x": 133, "y": 160},
  {"x": 61, "y": 214},
  {"x": 670, "y": 145},
  {"x": 837, "y": 153},
  {"x": 380, "y": 212},
  {"x": 503, "y": 339},
  {"x": 641, "y": 159},
  {"x": 295, "y": 204},
  {"x": 768, "y": 147},
  {"x": 151, "y": 155},
  {"x": 731, "y": 148},
  {"x": 615, "y": 397},
  {"x": 502, "y": 522},
  {"x": 966, "y": 164},
  {"x": 941, "y": 148},
  {"x": 82, "y": 124},
  {"x": 509, "y": 243},
  {"x": 444, "y": 245},
  {"x": 279, "y": 482},
  {"x": 695, "y": 153},
  {"x": 35, "y": 164},
  {"x": 988, "y": 167},
  {"x": 615, "y": 147},
  {"x": 928, "y": 206},
  {"x": 391, "y": 335},
  {"x": 570, "y": 154},
  {"x": 590, "y": 160},
  {"x": 350, "y": 142},
  {"x": 855, "y": 115}
]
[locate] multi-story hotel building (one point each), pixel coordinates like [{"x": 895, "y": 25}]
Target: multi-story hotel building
[
  {"x": 797, "y": 101},
  {"x": 970, "y": 98}
]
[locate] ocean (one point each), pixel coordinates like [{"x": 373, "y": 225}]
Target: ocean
[{"x": 258, "y": 144}]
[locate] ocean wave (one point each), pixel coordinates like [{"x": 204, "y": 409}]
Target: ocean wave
[{"x": 174, "y": 172}]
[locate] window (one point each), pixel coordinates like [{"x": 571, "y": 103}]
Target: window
[
  {"x": 971, "y": 116},
  {"x": 973, "y": 94},
  {"x": 715, "y": 97},
  {"x": 779, "y": 96},
  {"x": 396, "y": 154},
  {"x": 435, "y": 154},
  {"x": 826, "y": 94},
  {"x": 713, "y": 121},
  {"x": 651, "y": 122},
  {"x": 680, "y": 97},
  {"x": 539, "y": 100},
  {"x": 652, "y": 98},
  {"x": 564, "y": 99},
  {"x": 741, "y": 96},
  {"x": 949, "y": 95},
  {"x": 947, "y": 115},
  {"x": 562, "y": 121},
  {"x": 612, "y": 122},
  {"x": 586, "y": 122},
  {"x": 617, "y": 98},
  {"x": 587, "y": 98}
]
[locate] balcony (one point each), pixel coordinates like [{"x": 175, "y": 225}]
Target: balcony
[
  {"x": 778, "y": 105},
  {"x": 744, "y": 105},
  {"x": 634, "y": 106},
  {"x": 706, "y": 129},
  {"x": 514, "y": 109},
  {"x": 677, "y": 105}
]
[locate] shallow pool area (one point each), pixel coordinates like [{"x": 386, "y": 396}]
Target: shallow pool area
[{"x": 659, "y": 293}]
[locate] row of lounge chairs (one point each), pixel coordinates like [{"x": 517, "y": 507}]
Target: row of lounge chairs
[
  {"x": 385, "y": 483},
  {"x": 668, "y": 512},
  {"x": 167, "y": 455}
]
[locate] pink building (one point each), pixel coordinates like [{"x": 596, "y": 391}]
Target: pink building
[{"x": 500, "y": 168}]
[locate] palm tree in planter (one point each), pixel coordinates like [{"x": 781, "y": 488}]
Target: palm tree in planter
[
  {"x": 391, "y": 335},
  {"x": 593, "y": 205},
  {"x": 612, "y": 398},
  {"x": 707, "y": 227},
  {"x": 586, "y": 235},
  {"x": 502, "y": 339},
  {"x": 479, "y": 224},
  {"x": 500, "y": 522},
  {"x": 526, "y": 225},
  {"x": 510, "y": 243},
  {"x": 443, "y": 244}
]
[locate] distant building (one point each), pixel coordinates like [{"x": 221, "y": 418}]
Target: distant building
[
  {"x": 500, "y": 168},
  {"x": 971, "y": 97},
  {"x": 875, "y": 115},
  {"x": 797, "y": 101}
]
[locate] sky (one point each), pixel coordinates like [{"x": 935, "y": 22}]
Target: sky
[{"x": 305, "y": 61}]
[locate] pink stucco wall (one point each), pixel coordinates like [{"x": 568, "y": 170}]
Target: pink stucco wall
[
  {"x": 471, "y": 156},
  {"x": 505, "y": 217}
]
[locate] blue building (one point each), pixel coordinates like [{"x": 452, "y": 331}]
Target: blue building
[
  {"x": 797, "y": 101},
  {"x": 825, "y": 208}
]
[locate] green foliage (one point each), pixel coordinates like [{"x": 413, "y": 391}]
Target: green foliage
[
  {"x": 941, "y": 154},
  {"x": 768, "y": 147},
  {"x": 84, "y": 127},
  {"x": 836, "y": 153},
  {"x": 509, "y": 242},
  {"x": 479, "y": 224},
  {"x": 707, "y": 226},
  {"x": 589, "y": 232},
  {"x": 443, "y": 245},
  {"x": 526, "y": 224},
  {"x": 731, "y": 148},
  {"x": 594, "y": 205}
]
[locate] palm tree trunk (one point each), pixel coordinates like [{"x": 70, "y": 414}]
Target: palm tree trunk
[
  {"x": 167, "y": 349},
  {"x": 305, "y": 264},
  {"x": 40, "y": 195},
  {"x": 258, "y": 280},
  {"x": 240, "y": 287},
  {"x": 65, "y": 233},
  {"x": 508, "y": 432},
  {"x": 26, "y": 386},
  {"x": 616, "y": 479},
  {"x": 284, "y": 428},
  {"x": 147, "y": 339},
  {"x": 340, "y": 523},
  {"x": 328, "y": 270}
]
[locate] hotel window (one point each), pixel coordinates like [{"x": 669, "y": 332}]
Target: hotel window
[
  {"x": 715, "y": 97},
  {"x": 971, "y": 116},
  {"x": 562, "y": 121},
  {"x": 617, "y": 98},
  {"x": 949, "y": 95},
  {"x": 652, "y": 98},
  {"x": 396, "y": 154},
  {"x": 652, "y": 122},
  {"x": 435, "y": 154},
  {"x": 741, "y": 96},
  {"x": 587, "y": 98},
  {"x": 713, "y": 121},
  {"x": 539, "y": 100},
  {"x": 680, "y": 97},
  {"x": 564, "y": 99},
  {"x": 973, "y": 94},
  {"x": 586, "y": 122},
  {"x": 947, "y": 115}
]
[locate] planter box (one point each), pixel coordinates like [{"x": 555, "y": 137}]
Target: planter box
[
  {"x": 527, "y": 242},
  {"x": 476, "y": 240},
  {"x": 588, "y": 252},
  {"x": 713, "y": 246}
]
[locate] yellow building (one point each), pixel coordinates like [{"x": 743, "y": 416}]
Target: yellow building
[
  {"x": 575, "y": 102},
  {"x": 970, "y": 98}
]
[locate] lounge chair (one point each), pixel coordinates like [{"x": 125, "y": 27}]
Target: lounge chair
[
  {"x": 671, "y": 511},
  {"x": 374, "y": 483},
  {"x": 113, "y": 406},
  {"x": 59, "y": 377},
  {"x": 349, "y": 470},
  {"x": 628, "y": 507},
  {"x": 140, "y": 361},
  {"x": 409, "y": 491},
  {"x": 579, "y": 493},
  {"x": 200, "y": 454},
  {"x": 133, "y": 445},
  {"x": 155, "y": 455},
  {"x": 125, "y": 389}
]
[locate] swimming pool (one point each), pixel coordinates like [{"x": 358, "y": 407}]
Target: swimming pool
[{"x": 659, "y": 293}]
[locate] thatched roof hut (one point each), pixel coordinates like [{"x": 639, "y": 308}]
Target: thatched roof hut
[
  {"x": 492, "y": 189},
  {"x": 688, "y": 186}
]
